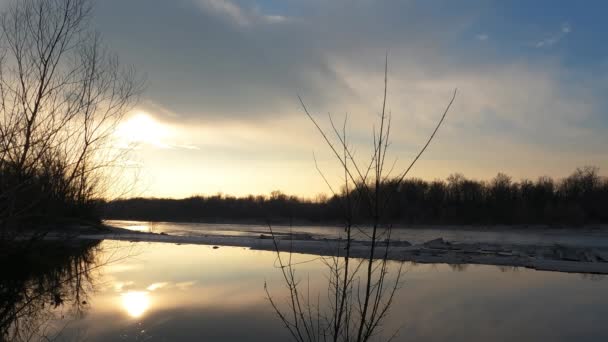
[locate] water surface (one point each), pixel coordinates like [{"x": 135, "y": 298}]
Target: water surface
[{"x": 166, "y": 292}]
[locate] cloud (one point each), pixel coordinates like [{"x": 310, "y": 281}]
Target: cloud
[
  {"x": 243, "y": 17},
  {"x": 225, "y": 75},
  {"x": 482, "y": 37},
  {"x": 209, "y": 73},
  {"x": 185, "y": 285},
  {"x": 225, "y": 7},
  {"x": 120, "y": 286},
  {"x": 556, "y": 38},
  {"x": 156, "y": 286},
  {"x": 203, "y": 63}
]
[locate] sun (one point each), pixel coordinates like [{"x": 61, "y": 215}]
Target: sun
[
  {"x": 136, "y": 303},
  {"x": 141, "y": 128}
]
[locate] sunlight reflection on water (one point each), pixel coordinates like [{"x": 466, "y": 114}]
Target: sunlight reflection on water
[
  {"x": 136, "y": 303},
  {"x": 193, "y": 292}
]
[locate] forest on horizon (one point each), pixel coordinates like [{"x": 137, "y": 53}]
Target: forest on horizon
[{"x": 581, "y": 198}]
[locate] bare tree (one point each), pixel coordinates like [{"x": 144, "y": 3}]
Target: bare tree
[
  {"x": 61, "y": 96},
  {"x": 360, "y": 291}
]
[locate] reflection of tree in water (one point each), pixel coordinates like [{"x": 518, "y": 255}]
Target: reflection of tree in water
[
  {"x": 459, "y": 267},
  {"x": 593, "y": 276},
  {"x": 508, "y": 269},
  {"x": 44, "y": 286}
]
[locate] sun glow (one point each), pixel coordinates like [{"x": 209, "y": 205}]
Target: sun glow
[
  {"x": 136, "y": 303},
  {"x": 141, "y": 128}
]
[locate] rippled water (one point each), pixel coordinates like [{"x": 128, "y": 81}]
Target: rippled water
[{"x": 165, "y": 292}]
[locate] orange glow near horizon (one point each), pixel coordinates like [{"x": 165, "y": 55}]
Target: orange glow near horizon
[{"x": 142, "y": 128}]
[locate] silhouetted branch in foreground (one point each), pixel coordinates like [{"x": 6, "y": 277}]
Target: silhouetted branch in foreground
[{"x": 360, "y": 292}]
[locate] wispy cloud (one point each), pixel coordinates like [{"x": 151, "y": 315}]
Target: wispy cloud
[
  {"x": 228, "y": 9},
  {"x": 156, "y": 286},
  {"x": 482, "y": 37},
  {"x": 239, "y": 15},
  {"x": 555, "y": 38},
  {"x": 226, "y": 80},
  {"x": 119, "y": 286}
]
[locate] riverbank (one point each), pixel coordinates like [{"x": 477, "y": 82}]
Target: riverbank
[{"x": 477, "y": 248}]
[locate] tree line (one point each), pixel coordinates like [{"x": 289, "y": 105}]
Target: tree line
[{"x": 581, "y": 198}]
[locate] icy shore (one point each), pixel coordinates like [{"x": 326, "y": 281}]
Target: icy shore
[{"x": 553, "y": 257}]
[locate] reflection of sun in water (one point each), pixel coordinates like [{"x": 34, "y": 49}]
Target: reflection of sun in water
[
  {"x": 142, "y": 128},
  {"x": 136, "y": 303}
]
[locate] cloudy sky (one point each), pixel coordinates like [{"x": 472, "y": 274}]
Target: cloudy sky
[{"x": 221, "y": 113}]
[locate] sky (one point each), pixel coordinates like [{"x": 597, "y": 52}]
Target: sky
[{"x": 220, "y": 112}]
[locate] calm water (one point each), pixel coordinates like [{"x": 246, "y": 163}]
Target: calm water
[{"x": 165, "y": 292}]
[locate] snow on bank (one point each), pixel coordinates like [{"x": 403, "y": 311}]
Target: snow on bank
[
  {"x": 538, "y": 235},
  {"x": 562, "y": 258}
]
